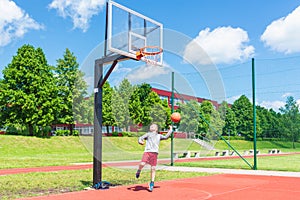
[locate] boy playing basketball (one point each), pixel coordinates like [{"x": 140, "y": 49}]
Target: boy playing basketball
[{"x": 151, "y": 150}]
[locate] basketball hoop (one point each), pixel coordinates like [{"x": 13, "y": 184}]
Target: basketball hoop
[{"x": 150, "y": 54}]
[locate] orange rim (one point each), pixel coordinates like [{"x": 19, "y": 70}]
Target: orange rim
[{"x": 156, "y": 50}]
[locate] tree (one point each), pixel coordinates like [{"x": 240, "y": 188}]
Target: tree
[
  {"x": 206, "y": 110},
  {"x": 85, "y": 112},
  {"x": 107, "y": 113},
  {"x": 270, "y": 122},
  {"x": 146, "y": 107},
  {"x": 228, "y": 116},
  {"x": 216, "y": 124},
  {"x": 28, "y": 91},
  {"x": 190, "y": 118},
  {"x": 136, "y": 109},
  {"x": 167, "y": 109},
  {"x": 81, "y": 105},
  {"x": 291, "y": 120},
  {"x": 140, "y": 105},
  {"x": 242, "y": 109},
  {"x": 159, "y": 113},
  {"x": 275, "y": 123},
  {"x": 89, "y": 112},
  {"x": 72, "y": 91},
  {"x": 211, "y": 124},
  {"x": 120, "y": 104},
  {"x": 3, "y": 104}
]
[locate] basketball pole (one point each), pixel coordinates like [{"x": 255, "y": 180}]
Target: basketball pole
[
  {"x": 97, "y": 151},
  {"x": 172, "y": 110},
  {"x": 254, "y": 115},
  {"x": 99, "y": 81}
]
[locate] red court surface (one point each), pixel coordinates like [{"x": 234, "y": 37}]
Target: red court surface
[
  {"x": 221, "y": 186},
  {"x": 215, "y": 187}
]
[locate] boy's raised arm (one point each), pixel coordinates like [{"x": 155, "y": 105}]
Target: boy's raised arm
[{"x": 168, "y": 134}]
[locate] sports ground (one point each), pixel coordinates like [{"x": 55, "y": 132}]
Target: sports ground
[{"x": 221, "y": 184}]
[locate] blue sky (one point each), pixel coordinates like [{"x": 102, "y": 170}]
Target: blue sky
[{"x": 230, "y": 32}]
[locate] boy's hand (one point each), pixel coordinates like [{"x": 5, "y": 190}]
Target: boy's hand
[{"x": 141, "y": 142}]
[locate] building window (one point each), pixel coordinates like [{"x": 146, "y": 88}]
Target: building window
[
  {"x": 177, "y": 101},
  {"x": 163, "y": 98}
]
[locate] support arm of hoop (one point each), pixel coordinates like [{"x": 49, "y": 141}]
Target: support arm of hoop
[{"x": 103, "y": 80}]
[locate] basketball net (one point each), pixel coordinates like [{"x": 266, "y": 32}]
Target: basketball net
[{"x": 150, "y": 54}]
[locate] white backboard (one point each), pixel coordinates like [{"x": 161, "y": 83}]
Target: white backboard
[{"x": 128, "y": 31}]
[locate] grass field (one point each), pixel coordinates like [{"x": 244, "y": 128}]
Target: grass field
[
  {"x": 275, "y": 163},
  {"x": 20, "y": 151}
]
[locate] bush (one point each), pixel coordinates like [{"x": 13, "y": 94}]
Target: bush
[
  {"x": 270, "y": 139},
  {"x": 12, "y": 131},
  {"x": 127, "y": 134},
  {"x": 62, "y": 132},
  {"x": 20, "y": 130},
  {"x": 132, "y": 134},
  {"x": 233, "y": 137},
  {"x": 66, "y": 133},
  {"x": 75, "y": 133},
  {"x": 43, "y": 131},
  {"x": 115, "y": 134}
]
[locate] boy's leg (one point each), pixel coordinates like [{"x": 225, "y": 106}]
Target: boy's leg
[
  {"x": 151, "y": 185},
  {"x": 153, "y": 170},
  {"x": 153, "y": 164},
  {"x": 138, "y": 172}
]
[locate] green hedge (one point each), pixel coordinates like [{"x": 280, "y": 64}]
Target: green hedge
[
  {"x": 66, "y": 133},
  {"x": 132, "y": 134},
  {"x": 233, "y": 138}
]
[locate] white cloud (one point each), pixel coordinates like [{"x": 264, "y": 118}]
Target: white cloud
[
  {"x": 223, "y": 45},
  {"x": 89, "y": 80},
  {"x": 119, "y": 68},
  {"x": 298, "y": 102},
  {"x": 283, "y": 35},
  {"x": 275, "y": 105},
  {"x": 232, "y": 99},
  {"x": 80, "y": 11},
  {"x": 14, "y": 22},
  {"x": 285, "y": 95},
  {"x": 147, "y": 72},
  {"x": 118, "y": 74}
]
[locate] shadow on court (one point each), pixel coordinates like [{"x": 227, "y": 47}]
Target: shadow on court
[{"x": 137, "y": 188}]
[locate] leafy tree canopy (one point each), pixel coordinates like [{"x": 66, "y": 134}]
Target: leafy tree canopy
[{"x": 29, "y": 92}]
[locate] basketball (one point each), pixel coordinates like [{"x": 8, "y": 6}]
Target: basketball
[{"x": 175, "y": 117}]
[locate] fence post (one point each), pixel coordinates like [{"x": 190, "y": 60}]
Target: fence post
[{"x": 254, "y": 114}]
